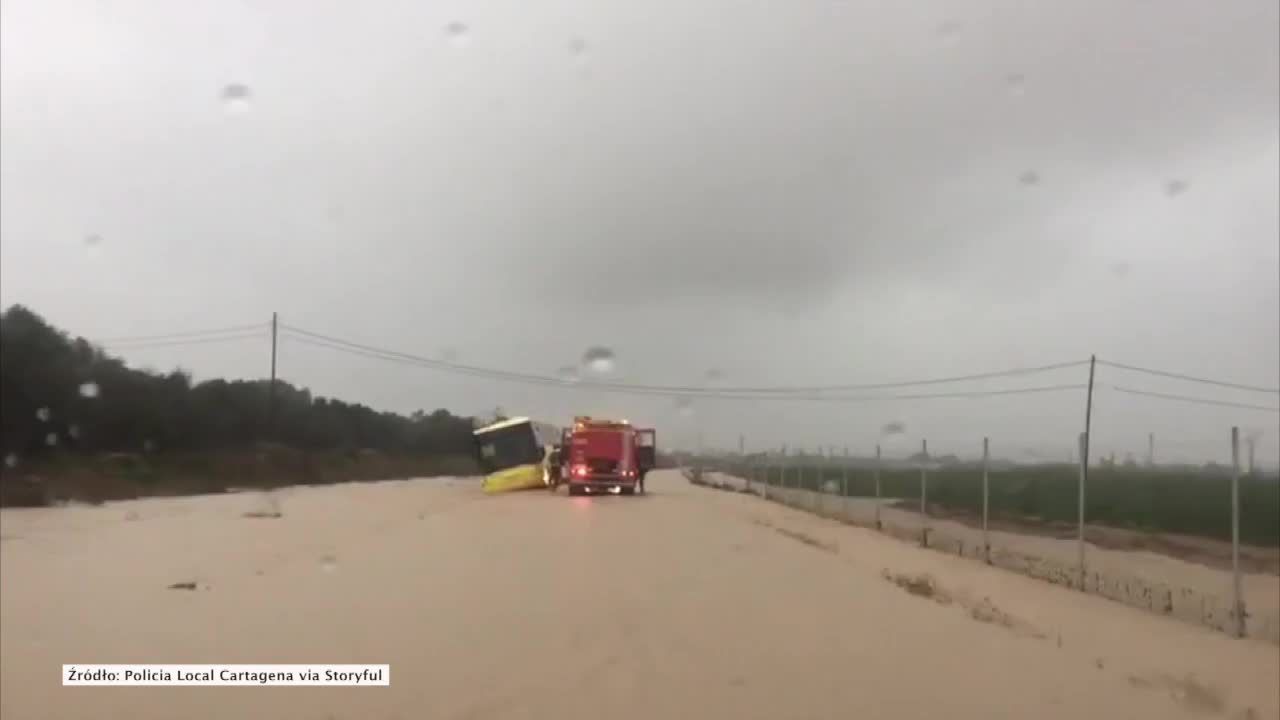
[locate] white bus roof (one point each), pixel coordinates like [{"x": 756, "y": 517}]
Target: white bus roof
[{"x": 510, "y": 422}]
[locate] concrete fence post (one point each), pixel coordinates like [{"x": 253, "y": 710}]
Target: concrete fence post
[
  {"x": 879, "y": 525},
  {"x": 924, "y": 493},
  {"x": 818, "y": 492},
  {"x": 1237, "y": 593},
  {"x": 844, "y": 487},
  {"x": 764, "y": 486},
  {"x": 1084, "y": 471},
  {"x": 786, "y": 491},
  {"x": 986, "y": 536}
]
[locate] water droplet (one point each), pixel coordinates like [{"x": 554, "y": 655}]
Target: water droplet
[
  {"x": 568, "y": 373},
  {"x": 577, "y": 46},
  {"x": 89, "y": 389},
  {"x": 51, "y": 439},
  {"x": 599, "y": 360},
  {"x": 329, "y": 564},
  {"x": 684, "y": 406},
  {"x": 894, "y": 427},
  {"x": 148, "y": 446},
  {"x": 43, "y": 414},
  {"x": 458, "y": 34},
  {"x": 449, "y": 355},
  {"x": 1120, "y": 269},
  {"x": 714, "y": 374},
  {"x": 1174, "y": 188},
  {"x": 949, "y": 29},
  {"x": 11, "y": 460},
  {"x": 1029, "y": 178},
  {"x": 74, "y": 432},
  {"x": 1015, "y": 83},
  {"x": 236, "y": 98},
  {"x": 93, "y": 245}
]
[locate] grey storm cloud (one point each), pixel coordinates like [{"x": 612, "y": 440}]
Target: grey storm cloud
[{"x": 845, "y": 154}]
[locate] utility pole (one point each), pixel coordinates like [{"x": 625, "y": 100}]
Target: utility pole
[
  {"x": 1151, "y": 450},
  {"x": 1084, "y": 470},
  {"x": 1088, "y": 420},
  {"x": 271, "y": 389}
]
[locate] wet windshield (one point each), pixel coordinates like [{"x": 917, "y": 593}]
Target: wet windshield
[{"x": 945, "y": 337}]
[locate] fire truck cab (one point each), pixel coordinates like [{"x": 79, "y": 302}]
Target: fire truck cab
[{"x": 606, "y": 456}]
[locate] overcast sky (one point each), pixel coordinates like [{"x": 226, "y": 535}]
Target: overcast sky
[{"x": 787, "y": 193}]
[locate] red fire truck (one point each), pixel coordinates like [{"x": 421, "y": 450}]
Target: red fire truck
[{"x": 602, "y": 456}]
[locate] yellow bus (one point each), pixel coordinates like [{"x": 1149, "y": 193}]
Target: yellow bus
[{"x": 514, "y": 454}]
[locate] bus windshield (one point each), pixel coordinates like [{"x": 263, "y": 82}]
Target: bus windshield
[{"x": 499, "y": 448}]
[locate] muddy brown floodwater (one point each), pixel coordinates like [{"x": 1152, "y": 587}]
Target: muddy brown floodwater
[{"x": 688, "y": 602}]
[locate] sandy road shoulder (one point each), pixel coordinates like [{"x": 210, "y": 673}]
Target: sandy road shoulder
[{"x": 1196, "y": 667}]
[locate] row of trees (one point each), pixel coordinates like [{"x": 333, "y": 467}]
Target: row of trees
[{"x": 58, "y": 394}]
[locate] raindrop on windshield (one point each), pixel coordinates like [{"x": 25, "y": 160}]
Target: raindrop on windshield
[
  {"x": 949, "y": 30},
  {"x": 714, "y": 374},
  {"x": 1015, "y": 83},
  {"x": 895, "y": 427},
  {"x": 568, "y": 373},
  {"x": 1121, "y": 269},
  {"x": 1174, "y": 188},
  {"x": 89, "y": 389},
  {"x": 93, "y": 245},
  {"x": 577, "y": 46},
  {"x": 43, "y": 414},
  {"x": 11, "y": 460},
  {"x": 458, "y": 34},
  {"x": 236, "y": 98},
  {"x": 51, "y": 439},
  {"x": 74, "y": 432},
  {"x": 599, "y": 360},
  {"x": 449, "y": 355},
  {"x": 148, "y": 446},
  {"x": 329, "y": 564},
  {"x": 684, "y": 406},
  {"x": 1029, "y": 178}
]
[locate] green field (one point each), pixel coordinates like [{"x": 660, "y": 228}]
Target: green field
[{"x": 1153, "y": 500}]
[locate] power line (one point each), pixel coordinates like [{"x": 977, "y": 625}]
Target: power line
[
  {"x": 317, "y": 339},
  {"x": 1011, "y": 372},
  {"x": 176, "y": 335},
  {"x": 191, "y": 341},
  {"x": 673, "y": 390},
  {"x": 1189, "y": 378},
  {"x": 1190, "y": 399},
  {"x": 652, "y": 390}
]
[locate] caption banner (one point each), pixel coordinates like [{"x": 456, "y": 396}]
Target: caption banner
[{"x": 198, "y": 675}]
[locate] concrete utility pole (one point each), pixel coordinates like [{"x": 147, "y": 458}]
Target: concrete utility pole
[{"x": 271, "y": 389}]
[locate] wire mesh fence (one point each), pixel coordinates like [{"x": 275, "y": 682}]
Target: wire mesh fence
[{"x": 1202, "y": 546}]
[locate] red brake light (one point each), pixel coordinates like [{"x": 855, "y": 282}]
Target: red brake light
[{"x": 580, "y": 470}]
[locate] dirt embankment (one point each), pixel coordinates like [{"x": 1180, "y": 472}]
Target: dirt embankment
[{"x": 126, "y": 476}]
